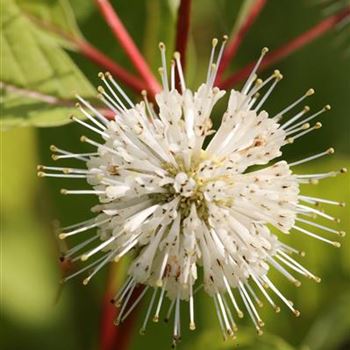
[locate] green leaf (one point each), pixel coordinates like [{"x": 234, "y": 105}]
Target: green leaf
[
  {"x": 56, "y": 14},
  {"x": 36, "y": 68}
]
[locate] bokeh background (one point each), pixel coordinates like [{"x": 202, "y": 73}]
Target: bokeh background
[{"x": 39, "y": 314}]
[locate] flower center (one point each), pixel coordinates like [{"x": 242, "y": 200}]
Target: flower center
[{"x": 188, "y": 186}]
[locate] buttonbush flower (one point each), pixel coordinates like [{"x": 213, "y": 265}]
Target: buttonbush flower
[{"x": 194, "y": 206}]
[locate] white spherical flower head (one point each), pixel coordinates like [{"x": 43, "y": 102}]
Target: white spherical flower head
[{"x": 196, "y": 205}]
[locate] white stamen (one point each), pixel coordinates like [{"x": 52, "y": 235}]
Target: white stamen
[
  {"x": 99, "y": 115},
  {"x": 334, "y": 243},
  {"x": 327, "y": 152},
  {"x": 179, "y": 71},
  {"x": 292, "y": 105},
  {"x": 148, "y": 313},
  {"x": 120, "y": 90},
  {"x": 132, "y": 307},
  {"x": 251, "y": 77}
]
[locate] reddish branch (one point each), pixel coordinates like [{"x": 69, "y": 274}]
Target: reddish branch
[
  {"x": 292, "y": 46},
  {"x": 128, "y": 44},
  {"x": 92, "y": 53},
  {"x": 233, "y": 45},
  {"x": 183, "y": 29},
  {"x": 96, "y": 56}
]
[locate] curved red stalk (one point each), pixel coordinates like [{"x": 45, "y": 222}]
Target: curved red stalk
[
  {"x": 128, "y": 44},
  {"x": 183, "y": 29},
  {"x": 292, "y": 46},
  {"x": 105, "y": 62},
  {"x": 233, "y": 45},
  {"x": 93, "y": 54}
]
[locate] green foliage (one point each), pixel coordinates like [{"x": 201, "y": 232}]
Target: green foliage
[{"x": 39, "y": 79}]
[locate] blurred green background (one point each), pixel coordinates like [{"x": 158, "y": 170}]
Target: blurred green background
[{"x": 36, "y": 314}]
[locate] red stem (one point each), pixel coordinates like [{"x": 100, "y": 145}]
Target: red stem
[
  {"x": 92, "y": 53},
  {"x": 128, "y": 44},
  {"x": 288, "y": 48},
  {"x": 233, "y": 45},
  {"x": 105, "y": 62},
  {"x": 183, "y": 29}
]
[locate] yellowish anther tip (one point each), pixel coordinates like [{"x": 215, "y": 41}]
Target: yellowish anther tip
[
  {"x": 342, "y": 233},
  {"x": 100, "y": 89},
  {"x": 86, "y": 281},
  {"x": 314, "y": 182},
  {"x": 83, "y": 138},
  {"x": 177, "y": 55},
  {"x": 336, "y": 244},
  {"x": 63, "y": 191},
  {"x": 142, "y": 331},
  {"x": 277, "y": 309},
  {"x": 259, "y": 331},
  {"x": 278, "y": 74},
  {"x": 61, "y": 236},
  {"x": 40, "y": 174},
  {"x": 77, "y": 105},
  {"x": 258, "y": 81},
  {"x": 306, "y": 109},
  {"x": 116, "y": 259},
  {"x": 101, "y": 75},
  {"x": 310, "y": 92},
  {"x": 54, "y": 157},
  {"x": 39, "y": 167},
  {"x": 327, "y": 107},
  {"x": 53, "y": 148},
  {"x": 155, "y": 319},
  {"x": 240, "y": 314},
  {"x": 225, "y": 37},
  {"x": 192, "y": 326},
  {"x": 159, "y": 283},
  {"x": 84, "y": 257},
  {"x": 290, "y": 140},
  {"x": 302, "y": 254},
  {"x": 297, "y": 283},
  {"x": 330, "y": 150},
  {"x": 296, "y": 313},
  {"x": 214, "y": 42},
  {"x": 161, "y": 46},
  {"x": 108, "y": 74},
  {"x": 317, "y": 279},
  {"x": 342, "y": 204},
  {"x": 306, "y": 126},
  {"x": 265, "y": 50},
  {"x": 144, "y": 92},
  {"x": 318, "y": 125}
]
